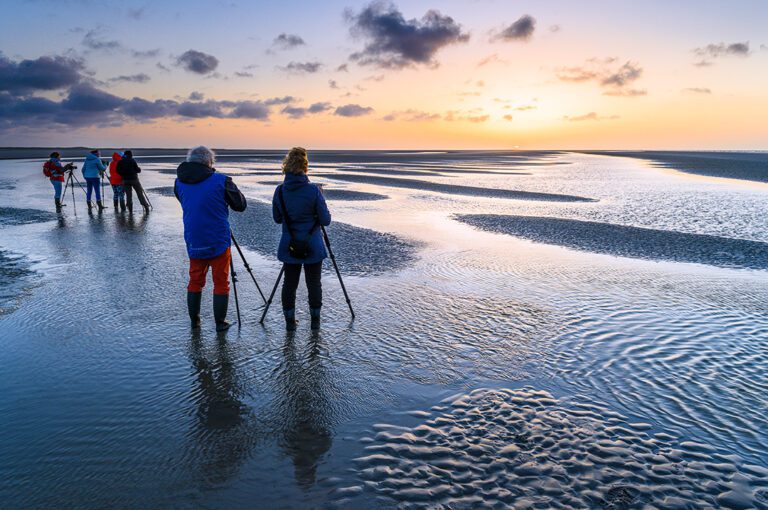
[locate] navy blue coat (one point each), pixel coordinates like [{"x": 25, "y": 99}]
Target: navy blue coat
[{"x": 305, "y": 205}]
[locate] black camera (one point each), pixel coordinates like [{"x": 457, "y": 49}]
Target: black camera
[{"x": 70, "y": 166}]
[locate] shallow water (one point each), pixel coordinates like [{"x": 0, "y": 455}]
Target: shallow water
[{"x": 520, "y": 369}]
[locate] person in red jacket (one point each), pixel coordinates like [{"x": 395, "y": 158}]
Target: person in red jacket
[
  {"x": 54, "y": 170},
  {"x": 116, "y": 180}
]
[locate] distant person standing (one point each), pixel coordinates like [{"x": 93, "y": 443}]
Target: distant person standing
[
  {"x": 129, "y": 170},
  {"x": 116, "y": 181},
  {"x": 206, "y": 197},
  {"x": 93, "y": 169},
  {"x": 300, "y": 207},
  {"x": 54, "y": 170}
]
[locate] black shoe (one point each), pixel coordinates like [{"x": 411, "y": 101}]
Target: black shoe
[
  {"x": 220, "y": 305},
  {"x": 315, "y": 314},
  {"x": 58, "y": 204},
  {"x": 90, "y": 205},
  {"x": 130, "y": 208},
  {"x": 100, "y": 205},
  {"x": 290, "y": 319},
  {"x": 146, "y": 209},
  {"x": 122, "y": 205},
  {"x": 193, "y": 305},
  {"x": 114, "y": 204}
]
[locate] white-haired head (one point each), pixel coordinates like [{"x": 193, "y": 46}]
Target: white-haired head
[{"x": 203, "y": 155}]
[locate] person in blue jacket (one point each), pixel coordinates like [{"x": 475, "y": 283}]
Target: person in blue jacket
[
  {"x": 93, "y": 169},
  {"x": 206, "y": 197},
  {"x": 303, "y": 204}
]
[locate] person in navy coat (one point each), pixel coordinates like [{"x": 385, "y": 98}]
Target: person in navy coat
[{"x": 304, "y": 206}]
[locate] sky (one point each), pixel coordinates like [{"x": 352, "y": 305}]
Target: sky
[{"x": 471, "y": 74}]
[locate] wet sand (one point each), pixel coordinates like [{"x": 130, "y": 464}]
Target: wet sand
[
  {"x": 628, "y": 241},
  {"x": 482, "y": 368},
  {"x": 750, "y": 166}
]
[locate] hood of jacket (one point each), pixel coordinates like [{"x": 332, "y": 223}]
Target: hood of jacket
[
  {"x": 192, "y": 173},
  {"x": 295, "y": 181},
  {"x": 91, "y": 156},
  {"x": 116, "y": 156}
]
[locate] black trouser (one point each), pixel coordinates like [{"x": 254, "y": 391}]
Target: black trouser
[
  {"x": 291, "y": 283},
  {"x": 129, "y": 187}
]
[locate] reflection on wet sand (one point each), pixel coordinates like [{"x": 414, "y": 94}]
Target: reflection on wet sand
[
  {"x": 223, "y": 432},
  {"x": 305, "y": 408}
]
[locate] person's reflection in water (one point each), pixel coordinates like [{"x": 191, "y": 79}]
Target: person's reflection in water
[
  {"x": 306, "y": 408},
  {"x": 129, "y": 223},
  {"x": 224, "y": 433}
]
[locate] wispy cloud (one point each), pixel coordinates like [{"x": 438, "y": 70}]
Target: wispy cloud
[
  {"x": 616, "y": 81},
  {"x": 476, "y": 116},
  {"x": 589, "y": 116},
  {"x": 492, "y": 59},
  {"x": 297, "y": 112},
  {"x": 394, "y": 42},
  {"x": 711, "y": 52},
  {"x": 132, "y": 78},
  {"x": 520, "y": 30},
  {"x": 302, "y": 67},
  {"x": 411, "y": 115},
  {"x": 697, "y": 90}
]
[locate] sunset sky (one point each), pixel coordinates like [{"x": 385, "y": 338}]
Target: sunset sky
[{"x": 416, "y": 74}]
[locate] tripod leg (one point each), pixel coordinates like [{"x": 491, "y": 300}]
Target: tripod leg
[
  {"x": 234, "y": 286},
  {"x": 274, "y": 289},
  {"x": 338, "y": 273},
  {"x": 247, "y": 266}
]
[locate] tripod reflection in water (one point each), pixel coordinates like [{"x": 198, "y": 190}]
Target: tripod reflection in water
[
  {"x": 223, "y": 433},
  {"x": 305, "y": 408}
]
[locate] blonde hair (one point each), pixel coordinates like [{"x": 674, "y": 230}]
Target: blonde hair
[{"x": 296, "y": 161}]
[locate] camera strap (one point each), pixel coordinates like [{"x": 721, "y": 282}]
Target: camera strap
[{"x": 287, "y": 218}]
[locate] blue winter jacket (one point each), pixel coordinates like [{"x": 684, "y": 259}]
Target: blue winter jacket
[
  {"x": 206, "y": 197},
  {"x": 92, "y": 167},
  {"x": 305, "y": 205}
]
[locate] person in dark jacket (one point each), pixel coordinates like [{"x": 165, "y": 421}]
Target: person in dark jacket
[
  {"x": 206, "y": 197},
  {"x": 129, "y": 170},
  {"x": 305, "y": 208}
]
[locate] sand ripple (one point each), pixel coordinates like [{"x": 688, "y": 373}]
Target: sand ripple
[{"x": 526, "y": 449}]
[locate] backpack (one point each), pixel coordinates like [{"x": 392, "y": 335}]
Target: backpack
[{"x": 47, "y": 169}]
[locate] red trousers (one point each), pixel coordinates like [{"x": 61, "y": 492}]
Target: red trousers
[{"x": 198, "y": 269}]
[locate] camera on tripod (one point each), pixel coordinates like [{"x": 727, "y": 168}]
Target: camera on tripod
[{"x": 70, "y": 166}]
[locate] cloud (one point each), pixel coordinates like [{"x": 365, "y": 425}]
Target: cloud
[
  {"x": 508, "y": 117},
  {"x": 352, "y": 110},
  {"x": 299, "y": 112},
  {"x": 197, "y": 62},
  {"x": 492, "y": 59},
  {"x": 343, "y": 68},
  {"x": 714, "y": 51},
  {"x": 251, "y": 110},
  {"x": 132, "y": 78},
  {"x": 279, "y": 100},
  {"x": 92, "y": 42},
  {"x": 739, "y": 49},
  {"x": 333, "y": 84},
  {"x": 588, "y": 116},
  {"x": 394, "y": 42},
  {"x": 520, "y": 30},
  {"x": 476, "y": 116},
  {"x": 555, "y": 28},
  {"x": 145, "y": 53},
  {"x": 137, "y": 13},
  {"x": 243, "y": 74},
  {"x": 196, "y": 96},
  {"x": 697, "y": 90},
  {"x": 524, "y": 108},
  {"x": 411, "y": 115},
  {"x": 87, "y": 98},
  {"x": 287, "y": 41},
  {"x": 40, "y": 74},
  {"x": 302, "y": 67},
  {"x": 616, "y": 80}
]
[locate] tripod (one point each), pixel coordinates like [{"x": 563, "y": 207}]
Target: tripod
[
  {"x": 234, "y": 276},
  {"x": 335, "y": 266},
  {"x": 71, "y": 181}
]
